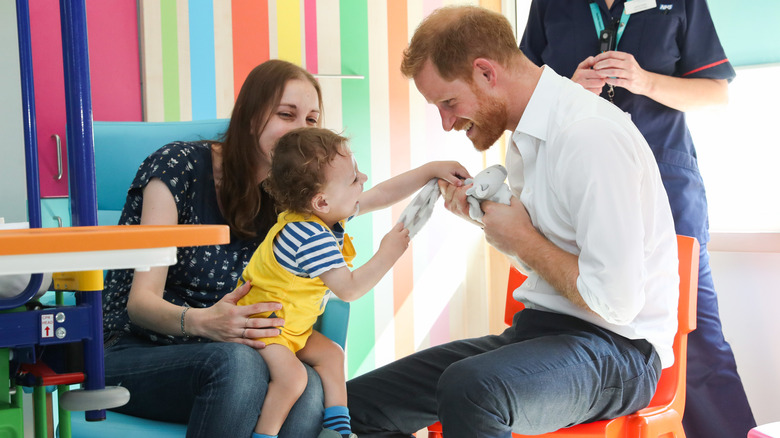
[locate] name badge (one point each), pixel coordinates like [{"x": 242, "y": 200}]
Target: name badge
[{"x": 634, "y": 6}]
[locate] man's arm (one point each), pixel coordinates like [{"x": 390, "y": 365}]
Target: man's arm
[{"x": 509, "y": 230}]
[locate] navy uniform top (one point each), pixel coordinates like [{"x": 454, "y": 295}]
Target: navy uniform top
[{"x": 676, "y": 38}]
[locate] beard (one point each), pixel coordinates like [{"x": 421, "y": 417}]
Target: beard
[{"x": 489, "y": 122}]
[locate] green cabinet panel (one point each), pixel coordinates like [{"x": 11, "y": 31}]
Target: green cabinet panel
[{"x": 55, "y": 212}]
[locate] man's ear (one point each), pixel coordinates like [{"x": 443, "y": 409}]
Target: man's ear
[
  {"x": 319, "y": 203},
  {"x": 484, "y": 71}
]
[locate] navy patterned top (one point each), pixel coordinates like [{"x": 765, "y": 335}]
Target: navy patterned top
[{"x": 202, "y": 275}]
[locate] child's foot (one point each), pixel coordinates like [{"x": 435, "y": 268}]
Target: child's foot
[{"x": 330, "y": 433}]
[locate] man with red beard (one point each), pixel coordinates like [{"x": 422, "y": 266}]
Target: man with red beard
[{"x": 590, "y": 225}]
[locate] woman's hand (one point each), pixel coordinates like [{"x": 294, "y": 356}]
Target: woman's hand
[{"x": 228, "y": 322}]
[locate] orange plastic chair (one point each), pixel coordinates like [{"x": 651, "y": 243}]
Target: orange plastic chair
[{"x": 663, "y": 417}]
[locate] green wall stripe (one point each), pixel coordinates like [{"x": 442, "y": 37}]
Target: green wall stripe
[
  {"x": 170, "y": 56},
  {"x": 353, "y": 16}
]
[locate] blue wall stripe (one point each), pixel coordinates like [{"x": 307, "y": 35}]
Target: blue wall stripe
[{"x": 202, "y": 64}]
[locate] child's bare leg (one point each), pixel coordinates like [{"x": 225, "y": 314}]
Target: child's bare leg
[
  {"x": 327, "y": 358},
  {"x": 288, "y": 380}
]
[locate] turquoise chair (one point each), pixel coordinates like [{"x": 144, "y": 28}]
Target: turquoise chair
[{"x": 120, "y": 147}]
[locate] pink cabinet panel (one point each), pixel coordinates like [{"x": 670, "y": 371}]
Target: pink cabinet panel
[
  {"x": 46, "y": 42},
  {"x": 114, "y": 75}
]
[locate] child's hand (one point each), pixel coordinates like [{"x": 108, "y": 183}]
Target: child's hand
[
  {"x": 396, "y": 241},
  {"x": 450, "y": 171}
]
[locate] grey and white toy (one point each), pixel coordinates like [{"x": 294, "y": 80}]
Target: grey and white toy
[
  {"x": 488, "y": 185},
  {"x": 417, "y": 213}
]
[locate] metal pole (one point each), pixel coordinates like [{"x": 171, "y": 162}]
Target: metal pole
[
  {"x": 30, "y": 144},
  {"x": 81, "y": 165}
]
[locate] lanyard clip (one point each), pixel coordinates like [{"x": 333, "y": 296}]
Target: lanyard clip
[{"x": 608, "y": 39}]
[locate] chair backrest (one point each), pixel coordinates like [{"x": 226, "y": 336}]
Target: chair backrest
[
  {"x": 671, "y": 386},
  {"x": 516, "y": 278},
  {"x": 120, "y": 147}
]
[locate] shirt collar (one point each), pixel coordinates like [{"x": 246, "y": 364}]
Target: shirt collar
[{"x": 537, "y": 113}]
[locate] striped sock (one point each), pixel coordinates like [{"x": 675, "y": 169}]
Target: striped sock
[{"x": 337, "y": 418}]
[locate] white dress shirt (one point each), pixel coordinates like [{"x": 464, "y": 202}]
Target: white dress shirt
[{"x": 591, "y": 185}]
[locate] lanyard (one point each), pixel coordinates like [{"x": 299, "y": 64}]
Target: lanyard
[{"x": 598, "y": 21}]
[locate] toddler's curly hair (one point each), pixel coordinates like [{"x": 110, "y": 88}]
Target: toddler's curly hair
[{"x": 298, "y": 166}]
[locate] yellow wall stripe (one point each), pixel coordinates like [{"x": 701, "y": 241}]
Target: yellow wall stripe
[{"x": 288, "y": 28}]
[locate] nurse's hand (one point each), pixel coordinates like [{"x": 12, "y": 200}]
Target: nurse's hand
[
  {"x": 620, "y": 69},
  {"x": 589, "y": 79}
]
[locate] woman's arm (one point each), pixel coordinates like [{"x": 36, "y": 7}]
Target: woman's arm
[
  {"x": 145, "y": 304},
  {"x": 224, "y": 321},
  {"x": 404, "y": 185},
  {"x": 683, "y": 94}
]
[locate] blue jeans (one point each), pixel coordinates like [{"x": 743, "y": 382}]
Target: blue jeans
[
  {"x": 545, "y": 372},
  {"x": 216, "y": 388}
]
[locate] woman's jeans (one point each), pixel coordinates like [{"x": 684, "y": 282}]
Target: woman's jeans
[
  {"x": 545, "y": 372},
  {"x": 217, "y": 388}
]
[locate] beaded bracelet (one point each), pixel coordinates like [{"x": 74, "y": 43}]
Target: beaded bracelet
[{"x": 184, "y": 312}]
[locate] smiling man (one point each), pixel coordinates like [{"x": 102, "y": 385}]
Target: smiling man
[{"x": 590, "y": 225}]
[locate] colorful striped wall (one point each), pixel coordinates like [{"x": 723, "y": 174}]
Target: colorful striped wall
[{"x": 195, "y": 55}]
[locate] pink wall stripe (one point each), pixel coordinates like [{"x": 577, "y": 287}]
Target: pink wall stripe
[{"x": 310, "y": 30}]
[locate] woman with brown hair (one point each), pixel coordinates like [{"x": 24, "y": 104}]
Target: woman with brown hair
[{"x": 174, "y": 335}]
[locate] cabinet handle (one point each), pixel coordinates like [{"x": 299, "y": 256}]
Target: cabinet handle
[
  {"x": 59, "y": 158},
  {"x": 59, "y": 221}
]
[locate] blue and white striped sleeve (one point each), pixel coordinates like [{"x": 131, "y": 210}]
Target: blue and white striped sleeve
[{"x": 307, "y": 249}]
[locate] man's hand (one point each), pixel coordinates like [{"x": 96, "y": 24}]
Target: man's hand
[
  {"x": 455, "y": 200},
  {"x": 507, "y": 227}
]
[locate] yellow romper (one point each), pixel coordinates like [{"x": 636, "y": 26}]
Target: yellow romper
[{"x": 303, "y": 299}]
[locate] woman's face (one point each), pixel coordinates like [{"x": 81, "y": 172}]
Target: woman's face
[{"x": 299, "y": 107}]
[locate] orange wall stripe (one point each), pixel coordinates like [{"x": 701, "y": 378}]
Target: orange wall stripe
[
  {"x": 403, "y": 275},
  {"x": 250, "y": 38}
]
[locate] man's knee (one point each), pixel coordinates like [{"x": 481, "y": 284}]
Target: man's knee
[{"x": 465, "y": 386}]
